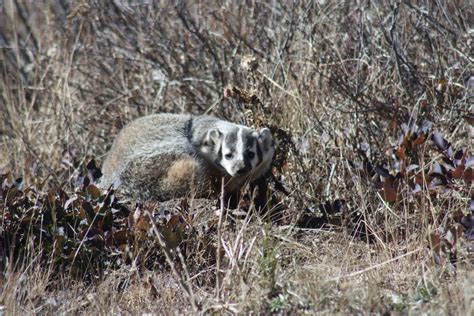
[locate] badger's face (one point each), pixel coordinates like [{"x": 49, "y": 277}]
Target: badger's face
[{"x": 240, "y": 150}]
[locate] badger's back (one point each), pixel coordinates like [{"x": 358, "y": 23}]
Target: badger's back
[{"x": 144, "y": 136}]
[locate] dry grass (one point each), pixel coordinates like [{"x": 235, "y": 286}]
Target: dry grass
[{"x": 340, "y": 77}]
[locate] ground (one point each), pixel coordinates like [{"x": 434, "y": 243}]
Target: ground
[{"x": 370, "y": 196}]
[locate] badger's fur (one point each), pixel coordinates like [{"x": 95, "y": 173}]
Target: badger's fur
[{"x": 163, "y": 156}]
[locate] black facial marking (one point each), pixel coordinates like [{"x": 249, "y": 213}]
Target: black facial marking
[
  {"x": 219, "y": 153},
  {"x": 249, "y": 140},
  {"x": 248, "y": 164},
  {"x": 189, "y": 130},
  {"x": 259, "y": 153},
  {"x": 231, "y": 140}
]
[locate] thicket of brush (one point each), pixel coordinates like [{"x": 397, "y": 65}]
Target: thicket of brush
[{"x": 371, "y": 196}]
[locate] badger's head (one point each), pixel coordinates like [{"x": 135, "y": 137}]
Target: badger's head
[{"x": 239, "y": 150}]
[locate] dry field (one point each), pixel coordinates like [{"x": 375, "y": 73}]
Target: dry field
[{"x": 371, "y": 197}]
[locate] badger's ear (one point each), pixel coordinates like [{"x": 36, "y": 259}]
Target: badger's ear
[
  {"x": 212, "y": 137},
  {"x": 265, "y": 138}
]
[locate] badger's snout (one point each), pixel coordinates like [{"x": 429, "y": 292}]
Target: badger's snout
[
  {"x": 242, "y": 169},
  {"x": 239, "y": 168},
  {"x": 242, "y": 150}
]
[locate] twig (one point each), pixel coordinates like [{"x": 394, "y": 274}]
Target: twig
[
  {"x": 219, "y": 243},
  {"x": 184, "y": 283},
  {"x": 375, "y": 266}
]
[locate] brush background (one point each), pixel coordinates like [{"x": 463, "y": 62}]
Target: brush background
[{"x": 340, "y": 76}]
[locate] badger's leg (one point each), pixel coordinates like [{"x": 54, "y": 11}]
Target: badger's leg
[
  {"x": 232, "y": 199},
  {"x": 260, "y": 198}
]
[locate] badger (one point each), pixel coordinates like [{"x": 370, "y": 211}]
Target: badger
[{"x": 165, "y": 156}]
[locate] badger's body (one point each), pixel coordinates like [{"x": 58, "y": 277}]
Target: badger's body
[{"x": 164, "y": 156}]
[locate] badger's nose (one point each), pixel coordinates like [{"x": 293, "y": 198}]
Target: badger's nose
[{"x": 242, "y": 170}]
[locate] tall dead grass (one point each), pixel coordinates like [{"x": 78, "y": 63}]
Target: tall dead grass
[{"x": 340, "y": 77}]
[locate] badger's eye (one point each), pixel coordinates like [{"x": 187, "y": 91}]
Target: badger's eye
[
  {"x": 228, "y": 156},
  {"x": 250, "y": 155}
]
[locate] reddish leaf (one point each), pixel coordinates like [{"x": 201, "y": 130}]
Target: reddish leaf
[
  {"x": 422, "y": 178},
  {"x": 400, "y": 153},
  {"x": 458, "y": 172},
  {"x": 419, "y": 140},
  {"x": 171, "y": 238},
  {"x": 93, "y": 191},
  {"x": 390, "y": 190},
  {"x": 119, "y": 238},
  {"x": 468, "y": 175},
  {"x": 434, "y": 240},
  {"x": 143, "y": 224},
  {"x": 457, "y": 216}
]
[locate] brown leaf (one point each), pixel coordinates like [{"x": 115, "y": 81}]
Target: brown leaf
[
  {"x": 400, "y": 152},
  {"x": 458, "y": 172},
  {"x": 93, "y": 191},
  {"x": 143, "y": 224},
  {"x": 174, "y": 221},
  {"x": 89, "y": 210},
  {"x": 171, "y": 238},
  {"x": 390, "y": 190},
  {"x": 434, "y": 240},
  {"x": 118, "y": 238},
  {"x": 469, "y": 175},
  {"x": 422, "y": 178},
  {"x": 419, "y": 140}
]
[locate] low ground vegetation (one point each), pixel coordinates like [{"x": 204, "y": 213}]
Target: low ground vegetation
[{"x": 370, "y": 200}]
